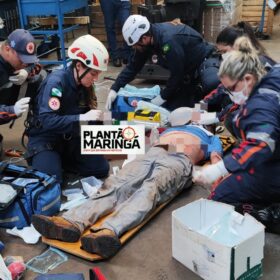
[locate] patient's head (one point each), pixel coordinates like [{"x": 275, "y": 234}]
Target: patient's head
[{"x": 181, "y": 116}]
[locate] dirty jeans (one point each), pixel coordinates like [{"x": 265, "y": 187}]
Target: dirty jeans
[{"x": 138, "y": 188}]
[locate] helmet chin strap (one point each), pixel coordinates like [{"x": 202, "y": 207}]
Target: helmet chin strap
[{"x": 81, "y": 77}]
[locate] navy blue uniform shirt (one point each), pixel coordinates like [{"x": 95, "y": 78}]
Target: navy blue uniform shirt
[
  {"x": 58, "y": 105},
  {"x": 257, "y": 124},
  {"x": 179, "y": 48}
]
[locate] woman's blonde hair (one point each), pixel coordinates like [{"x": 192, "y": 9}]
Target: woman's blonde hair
[{"x": 243, "y": 60}]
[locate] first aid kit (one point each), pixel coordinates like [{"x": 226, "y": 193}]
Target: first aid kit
[{"x": 24, "y": 192}]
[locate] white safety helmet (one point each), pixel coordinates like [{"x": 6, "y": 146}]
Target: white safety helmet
[
  {"x": 180, "y": 116},
  {"x": 90, "y": 51},
  {"x": 134, "y": 27}
]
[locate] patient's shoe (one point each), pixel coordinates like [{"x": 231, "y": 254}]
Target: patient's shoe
[
  {"x": 56, "y": 228},
  {"x": 104, "y": 243}
]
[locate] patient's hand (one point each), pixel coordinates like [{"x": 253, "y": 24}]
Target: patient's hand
[{"x": 215, "y": 157}]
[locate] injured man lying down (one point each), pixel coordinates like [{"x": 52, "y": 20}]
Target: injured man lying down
[{"x": 141, "y": 185}]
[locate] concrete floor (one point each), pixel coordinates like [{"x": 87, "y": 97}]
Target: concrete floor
[{"x": 148, "y": 254}]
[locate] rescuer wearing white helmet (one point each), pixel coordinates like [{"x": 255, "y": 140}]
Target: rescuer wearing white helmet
[
  {"x": 176, "y": 47},
  {"x": 65, "y": 98}
]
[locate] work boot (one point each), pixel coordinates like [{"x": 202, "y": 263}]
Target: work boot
[
  {"x": 104, "y": 243},
  {"x": 249, "y": 208},
  {"x": 56, "y": 228}
]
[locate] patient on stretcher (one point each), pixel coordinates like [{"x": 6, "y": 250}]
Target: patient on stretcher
[{"x": 139, "y": 187}]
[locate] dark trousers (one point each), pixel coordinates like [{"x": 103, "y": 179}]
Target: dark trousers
[
  {"x": 186, "y": 96},
  {"x": 197, "y": 86},
  {"x": 115, "y": 10},
  {"x": 260, "y": 185},
  {"x": 67, "y": 156}
]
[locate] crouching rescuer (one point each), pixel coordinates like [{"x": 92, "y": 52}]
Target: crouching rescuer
[{"x": 65, "y": 99}]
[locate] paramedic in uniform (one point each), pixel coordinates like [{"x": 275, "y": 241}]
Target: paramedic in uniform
[
  {"x": 252, "y": 170},
  {"x": 16, "y": 53},
  {"x": 66, "y": 98},
  {"x": 176, "y": 47}
]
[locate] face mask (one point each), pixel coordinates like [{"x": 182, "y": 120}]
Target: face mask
[{"x": 238, "y": 97}]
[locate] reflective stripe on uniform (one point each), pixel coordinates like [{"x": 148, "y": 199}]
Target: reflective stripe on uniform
[
  {"x": 251, "y": 152},
  {"x": 271, "y": 92},
  {"x": 264, "y": 137}
]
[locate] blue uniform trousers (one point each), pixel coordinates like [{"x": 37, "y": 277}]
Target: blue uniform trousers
[
  {"x": 67, "y": 156},
  {"x": 260, "y": 185}
]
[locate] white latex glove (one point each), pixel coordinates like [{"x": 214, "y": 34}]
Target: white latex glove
[
  {"x": 158, "y": 100},
  {"x": 209, "y": 174},
  {"x": 110, "y": 99},
  {"x": 92, "y": 115},
  {"x": 19, "y": 78},
  {"x": 208, "y": 118},
  {"x": 21, "y": 106}
]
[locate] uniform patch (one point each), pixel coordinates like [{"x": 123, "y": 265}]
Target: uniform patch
[
  {"x": 30, "y": 47},
  {"x": 54, "y": 103},
  {"x": 155, "y": 58},
  {"x": 56, "y": 92},
  {"x": 166, "y": 48}
]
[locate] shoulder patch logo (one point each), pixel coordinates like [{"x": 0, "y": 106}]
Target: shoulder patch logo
[
  {"x": 54, "y": 103},
  {"x": 56, "y": 92},
  {"x": 166, "y": 48}
]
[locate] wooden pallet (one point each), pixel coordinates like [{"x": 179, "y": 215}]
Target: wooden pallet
[
  {"x": 215, "y": 19},
  {"x": 98, "y": 25},
  {"x": 51, "y": 21},
  {"x": 251, "y": 12}
]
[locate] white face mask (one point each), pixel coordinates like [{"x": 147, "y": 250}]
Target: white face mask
[{"x": 239, "y": 97}]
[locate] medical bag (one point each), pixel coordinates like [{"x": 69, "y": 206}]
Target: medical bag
[
  {"x": 124, "y": 104},
  {"x": 25, "y": 192}
]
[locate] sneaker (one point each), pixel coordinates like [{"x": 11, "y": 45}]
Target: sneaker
[
  {"x": 104, "y": 243},
  {"x": 56, "y": 228},
  {"x": 270, "y": 217},
  {"x": 117, "y": 62}
]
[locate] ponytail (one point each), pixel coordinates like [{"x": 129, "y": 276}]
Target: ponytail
[{"x": 229, "y": 34}]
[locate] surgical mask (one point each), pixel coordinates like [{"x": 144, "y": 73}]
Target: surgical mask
[{"x": 239, "y": 97}]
